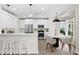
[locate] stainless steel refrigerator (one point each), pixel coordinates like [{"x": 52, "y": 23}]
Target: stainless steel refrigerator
[{"x": 28, "y": 28}]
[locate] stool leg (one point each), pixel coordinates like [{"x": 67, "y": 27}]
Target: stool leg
[
  {"x": 3, "y": 48},
  {"x": 62, "y": 46},
  {"x": 55, "y": 49},
  {"x": 20, "y": 51},
  {"x": 70, "y": 48},
  {"x": 13, "y": 50},
  {"x": 74, "y": 47},
  {"x": 52, "y": 49},
  {"x": 10, "y": 48},
  {"x": 47, "y": 45}
]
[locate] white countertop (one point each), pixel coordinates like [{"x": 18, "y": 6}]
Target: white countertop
[{"x": 19, "y": 34}]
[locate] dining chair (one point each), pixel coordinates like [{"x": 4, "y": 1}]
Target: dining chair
[
  {"x": 49, "y": 42},
  {"x": 68, "y": 41}
]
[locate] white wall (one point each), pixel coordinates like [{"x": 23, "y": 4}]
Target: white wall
[
  {"x": 29, "y": 21},
  {"x": 21, "y": 23},
  {"x": 7, "y": 21},
  {"x": 51, "y": 27},
  {"x": 77, "y": 26}
]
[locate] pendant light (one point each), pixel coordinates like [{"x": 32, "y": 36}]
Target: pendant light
[
  {"x": 30, "y": 14},
  {"x": 8, "y": 8},
  {"x": 30, "y": 5},
  {"x": 56, "y": 19}
]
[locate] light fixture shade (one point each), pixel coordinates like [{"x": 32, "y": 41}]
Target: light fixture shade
[
  {"x": 30, "y": 5},
  {"x": 56, "y": 20},
  {"x": 8, "y": 5}
]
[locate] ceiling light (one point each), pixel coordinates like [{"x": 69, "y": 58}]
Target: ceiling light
[
  {"x": 30, "y": 5},
  {"x": 30, "y": 15},
  {"x": 24, "y": 16},
  {"x": 56, "y": 19},
  {"x": 8, "y": 16},
  {"x": 8, "y": 5},
  {"x": 13, "y": 9},
  {"x": 8, "y": 8},
  {"x": 42, "y": 8}
]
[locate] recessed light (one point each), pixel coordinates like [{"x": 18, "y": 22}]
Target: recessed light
[
  {"x": 24, "y": 16},
  {"x": 42, "y": 8},
  {"x": 30, "y": 15},
  {"x": 8, "y": 16}
]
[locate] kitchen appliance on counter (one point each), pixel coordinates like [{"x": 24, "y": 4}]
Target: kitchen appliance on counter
[{"x": 8, "y": 30}]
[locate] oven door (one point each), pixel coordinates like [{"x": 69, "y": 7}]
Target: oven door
[{"x": 41, "y": 34}]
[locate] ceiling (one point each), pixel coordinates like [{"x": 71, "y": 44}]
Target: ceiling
[{"x": 37, "y": 10}]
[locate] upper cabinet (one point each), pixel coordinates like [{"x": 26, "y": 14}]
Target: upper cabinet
[{"x": 35, "y": 22}]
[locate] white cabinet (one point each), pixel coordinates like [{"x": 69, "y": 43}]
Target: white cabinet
[
  {"x": 41, "y": 22},
  {"x": 23, "y": 24}
]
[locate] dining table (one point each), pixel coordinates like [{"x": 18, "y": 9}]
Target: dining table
[{"x": 58, "y": 38}]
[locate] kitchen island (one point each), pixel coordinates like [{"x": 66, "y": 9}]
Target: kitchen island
[{"x": 19, "y": 43}]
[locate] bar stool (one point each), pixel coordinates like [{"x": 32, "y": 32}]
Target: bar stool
[
  {"x": 23, "y": 47},
  {"x": 6, "y": 45},
  {"x": 17, "y": 47}
]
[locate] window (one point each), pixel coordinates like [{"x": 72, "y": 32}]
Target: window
[
  {"x": 70, "y": 29},
  {"x": 62, "y": 27}
]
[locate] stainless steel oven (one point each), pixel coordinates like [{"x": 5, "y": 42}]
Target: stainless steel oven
[
  {"x": 40, "y": 31},
  {"x": 41, "y": 34}
]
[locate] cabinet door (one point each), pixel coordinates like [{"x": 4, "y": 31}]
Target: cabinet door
[
  {"x": 26, "y": 28},
  {"x": 30, "y": 28}
]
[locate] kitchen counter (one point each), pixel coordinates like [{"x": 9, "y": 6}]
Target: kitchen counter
[
  {"x": 28, "y": 43},
  {"x": 19, "y": 34}
]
